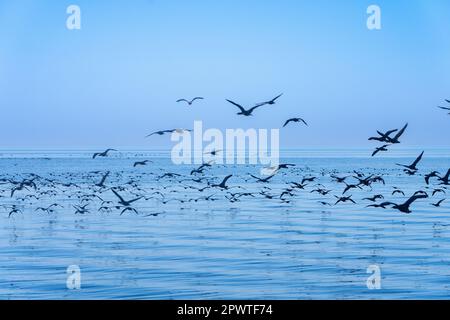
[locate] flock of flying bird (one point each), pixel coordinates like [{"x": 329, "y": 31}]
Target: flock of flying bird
[{"x": 106, "y": 190}]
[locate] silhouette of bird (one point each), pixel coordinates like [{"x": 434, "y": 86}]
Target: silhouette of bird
[
  {"x": 263, "y": 180},
  {"x": 222, "y": 185},
  {"x": 398, "y": 191},
  {"x": 380, "y": 205},
  {"x": 374, "y": 198},
  {"x": 379, "y": 149},
  {"x": 344, "y": 199},
  {"x": 270, "y": 102},
  {"x": 438, "y": 204},
  {"x": 404, "y": 207},
  {"x": 102, "y": 154},
  {"x": 413, "y": 166},
  {"x": 294, "y": 120},
  {"x": 190, "y": 102},
  {"x": 162, "y": 132},
  {"x": 384, "y": 137},
  {"x": 395, "y": 140},
  {"x": 244, "y": 112},
  {"x": 431, "y": 175},
  {"x": 141, "y": 163},
  {"x": 124, "y": 202},
  {"x": 438, "y": 191}
]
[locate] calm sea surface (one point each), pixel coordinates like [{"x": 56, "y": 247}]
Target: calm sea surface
[{"x": 177, "y": 248}]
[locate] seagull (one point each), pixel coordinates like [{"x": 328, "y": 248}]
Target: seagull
[
  {"x": 384, "y": 137},
  {"x": 124, "y": 202},
  {"x": 294, "y": 120},
  {"x": 398, "y": 191},
  {"x": 102, "y": 154},
  {"x": 437, "y": 191},
  {"x": 381, "y": 205},
  {"x": 412, "y": 166},
  {"x": 222, "y": 184},
  {"x": 81, "y": 209},
  {"x": 140, "y": 163},
  {"x": 128, "y": 209},
  {"x": 244, "y": 112},
  {"x": 375, "y": 198},
  {"x": 350, "y": 186},
  {"x": 270, "y": 102},
  {"x": 190, "y": 102},
  {"x": 438, "y": 204},
  {"x": 213, "y": 152},
  {"x": 162, "y": 132},
  {"x": 263, "y": 180},
  {"x": 404, "y": 207},
  {"x": 339, "y": 179},
  {"x": 344, "y": 199},
  {"x": 430, "y": 175},
  {"x": 379, "y": 149},
  {"x": 14, "y": 210},
  {"x": 395, "y": 140}
]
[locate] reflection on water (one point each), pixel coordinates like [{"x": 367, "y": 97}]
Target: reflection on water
[{"x": 253, "y": 248}]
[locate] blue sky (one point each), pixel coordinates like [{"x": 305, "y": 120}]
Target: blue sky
[{"x": 117, "y": 79}]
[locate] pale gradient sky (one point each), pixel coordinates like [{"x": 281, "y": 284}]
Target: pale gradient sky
[{"x": 117, "y": 79}]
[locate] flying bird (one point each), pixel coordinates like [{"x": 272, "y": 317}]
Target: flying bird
[
  {"x": 384, "y": 137},
  {"x": 141, "y": 163},
  {"x": 190, "y": 102},
  {"x": 162, "y": 132},
  {"x": 270, "y": 102},
  {"x": 404, "y": 207},
  {"x": 379, "y": 149},
  {"x": 223, "y": 185},
  {"x": 123, "y": 202},
  {"x": 395, "y": 140},
  {"x": 413, "y": 166},
  {"x": 294, "y": 120},
  {"x": 438, "y": 204},
  {"x": 102, "y": 154},
  {"x": 244, "y": 112}
]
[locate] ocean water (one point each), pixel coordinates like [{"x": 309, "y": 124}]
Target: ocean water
[{"x": 254, "y": 248}]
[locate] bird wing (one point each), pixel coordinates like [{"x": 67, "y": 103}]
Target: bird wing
[
  {"x": 447, "y": 175},
  {"x": 414, "y": 198},
  {"x": 181, "y": 100},
  {"x": 388, "y": 133},
  {"x": 444, "y": 108},
  {"x": 287, "y": 122},
  {"x": 400, "y": 133},
  {"x": 226, "y": 179},
  {"x": 197, "y": 98},
  {"x": 273, "y": 100},
  {"x": 253, "y": 108},
  {"x": 418, "y": 159},
  {"x": 117, "y": 195},
  {"x": 375, "y": 152},
  {"x": 134, "y": 200},
  {"x": 237, "y": 105}
]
